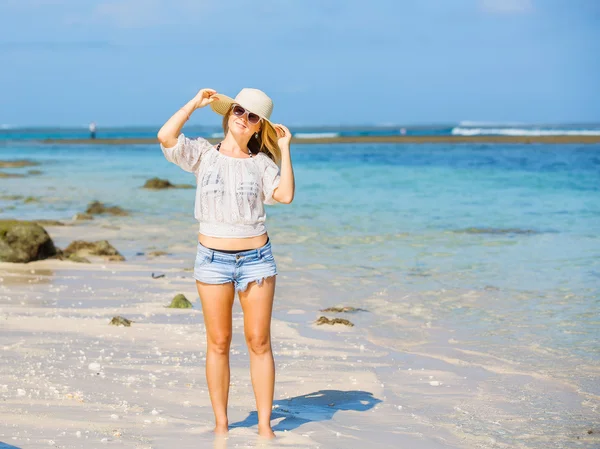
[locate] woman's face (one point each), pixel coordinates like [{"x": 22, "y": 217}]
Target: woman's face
[{"x": 240, "y": 126}]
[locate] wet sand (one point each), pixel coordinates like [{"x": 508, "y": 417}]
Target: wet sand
[{"x": 372, "y": 139}]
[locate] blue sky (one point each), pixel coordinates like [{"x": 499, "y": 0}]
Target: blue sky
[{"x": 324, "y": 62}]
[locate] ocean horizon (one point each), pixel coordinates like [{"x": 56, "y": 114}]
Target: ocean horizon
[{"x": 465, "y": 128}]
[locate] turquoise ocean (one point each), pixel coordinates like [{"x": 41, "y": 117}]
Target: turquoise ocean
[{"x": 494, "y": 246}]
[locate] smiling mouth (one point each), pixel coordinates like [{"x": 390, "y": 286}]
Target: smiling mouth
[{"x": 241, "y": 125}]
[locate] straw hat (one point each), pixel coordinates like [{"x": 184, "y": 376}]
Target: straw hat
[{"x": 252, "y": 100}]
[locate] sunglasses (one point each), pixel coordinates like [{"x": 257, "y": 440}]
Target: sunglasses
[{"x": 239, "y": 111}]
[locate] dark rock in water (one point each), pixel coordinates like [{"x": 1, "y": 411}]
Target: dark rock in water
[
  {"x": 496, "y": 231},
  {"x": 343, "y": 310},
  {"x": 491, "y": 288},
  {"x": 31, "y": 199},
  {"x": 99, "y": 248},
  {"x": 24, "y": 241},
  {"x": 11, "y": 175},
  {"x": 325, "y": 320},
  {"x": 18, "y": 164},
  {"x": 82, "y": 217},
  {"x": 158, "y": 184},
  {"x": 98, "y": 208},
  {"x": 78, "y": 259},
  {"x": 34, "y": 172},
  {"x": 120, "y": 321},
  {"x": 180, "y": 302},
  {"x": 157, "y": 276},
  {"x": 157, "y": 253}
]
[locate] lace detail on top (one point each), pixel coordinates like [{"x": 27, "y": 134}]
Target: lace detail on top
[
  {"x": 187, "y": 153},
  {"x": 230, "y": 192}
]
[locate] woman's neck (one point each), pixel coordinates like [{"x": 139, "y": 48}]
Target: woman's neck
[{"x": 235, "y": 144}]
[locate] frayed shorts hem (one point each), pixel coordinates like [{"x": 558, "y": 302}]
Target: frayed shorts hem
[{"x": 238, "y": 288}]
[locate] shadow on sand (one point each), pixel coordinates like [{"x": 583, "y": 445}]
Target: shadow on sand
[{"x": 318, "y": 406}]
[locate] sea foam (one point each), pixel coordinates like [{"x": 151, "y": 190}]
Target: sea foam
[
  {"x": 460, "y": 131},
  {"x": 316, "y": 135}
]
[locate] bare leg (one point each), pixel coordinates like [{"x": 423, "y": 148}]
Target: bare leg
[
  {"x": 257, "y": 304},
  {"x": 217, "y": 302}
]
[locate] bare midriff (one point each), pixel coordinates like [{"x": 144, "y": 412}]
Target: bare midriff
[{"x": 231, "y": 244}]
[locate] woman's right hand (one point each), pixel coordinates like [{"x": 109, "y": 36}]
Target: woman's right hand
[{"x": 205, "y": 97}]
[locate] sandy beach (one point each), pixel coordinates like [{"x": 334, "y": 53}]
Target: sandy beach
[{"x": 70, "y": 380}]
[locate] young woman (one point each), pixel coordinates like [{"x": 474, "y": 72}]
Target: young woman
[{"x": 235, "y": 178}]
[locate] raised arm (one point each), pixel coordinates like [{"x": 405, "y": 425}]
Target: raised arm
[
  {"x": 284, "y": 193},
  {"x": 168, "y": 134}
]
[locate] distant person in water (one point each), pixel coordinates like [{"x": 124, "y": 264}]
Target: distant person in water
[{"x": 92, "y": 130}]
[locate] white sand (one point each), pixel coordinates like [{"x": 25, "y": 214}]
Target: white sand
[{"x": 69, "y": 380}]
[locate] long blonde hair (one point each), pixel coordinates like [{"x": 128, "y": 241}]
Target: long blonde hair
[{"x": 266, "y": 142}]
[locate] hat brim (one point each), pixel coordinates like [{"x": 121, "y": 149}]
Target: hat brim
[{"x": 223, "y": 104}]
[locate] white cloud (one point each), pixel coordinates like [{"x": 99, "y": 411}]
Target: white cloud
[{"x": 507, "y": 6}]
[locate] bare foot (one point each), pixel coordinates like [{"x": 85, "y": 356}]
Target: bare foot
[
  {"x": 266, "y": 432},
  {"x": 221, "y": 429}
]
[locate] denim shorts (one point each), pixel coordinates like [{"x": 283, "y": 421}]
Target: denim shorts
[{"x": 215, "y": 267}]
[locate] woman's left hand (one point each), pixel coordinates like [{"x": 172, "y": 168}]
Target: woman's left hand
[{"x": 283, "y": 136}]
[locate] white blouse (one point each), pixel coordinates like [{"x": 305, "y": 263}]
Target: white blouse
[{"x": 231, "y": 192}]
